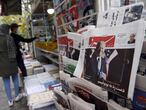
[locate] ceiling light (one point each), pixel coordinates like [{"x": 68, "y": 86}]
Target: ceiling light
[{"x": 50, "y": 11}]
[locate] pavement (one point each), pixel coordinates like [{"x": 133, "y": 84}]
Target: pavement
[{"x": 21, "y": 105}]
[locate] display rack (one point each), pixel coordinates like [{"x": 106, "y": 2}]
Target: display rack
[
  {"x": 62, "y": 26},
  {"x": 51, "y": 52},
  {"x": 51, "y": 58},
  {"x": 70, "y": 17},
  {"x": 43, "y": 26},
  {"x": 51, "y": 55}
]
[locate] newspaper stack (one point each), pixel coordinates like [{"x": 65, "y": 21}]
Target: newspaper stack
[
  {"x": 51, "y": 68},
  {"x": 33, "y": 66},
  {"x": 32, "y": 85},
  {"x": 38, "y": 70},
  {"x": 40, "y": 83},
  {"x": 40, "y": 100}
]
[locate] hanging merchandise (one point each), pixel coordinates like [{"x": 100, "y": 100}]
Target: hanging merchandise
[
  {"x": 119, "y": 16},
  {"x": 103, "y": 58},
  {"x": 115, "y": 3},
  {"x": 70, "y": 13},
  {"x": 69, "y": 48}
]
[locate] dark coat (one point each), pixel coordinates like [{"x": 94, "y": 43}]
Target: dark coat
[{"x": 8, "y": 63}]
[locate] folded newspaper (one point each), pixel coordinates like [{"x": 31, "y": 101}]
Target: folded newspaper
[{"x": 90, "y": 94}]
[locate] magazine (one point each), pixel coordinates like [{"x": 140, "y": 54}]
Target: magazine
[
  {"x": 119, "y": 16},
  {"x": 139, "y": 100},
  {"x": 111, "y": 57}
]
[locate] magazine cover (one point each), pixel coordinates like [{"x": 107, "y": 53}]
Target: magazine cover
[
  {"x": 119, "y": 16},
  {"x": 139, "y": 100},
  {"x": 111, "y": 57},
  {"x": 92, "y": 94}
]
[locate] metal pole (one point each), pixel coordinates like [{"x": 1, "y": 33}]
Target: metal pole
[{"x": 32, "y": 34}]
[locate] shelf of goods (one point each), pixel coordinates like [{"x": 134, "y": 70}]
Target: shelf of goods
[
  {"x": 70, "y": 17},
  {"x": 73, "y": 15},
  {"x": 51, "y": 55},
  {"x": 55, "y": 60},
  {"x": 55, "y": 52}
]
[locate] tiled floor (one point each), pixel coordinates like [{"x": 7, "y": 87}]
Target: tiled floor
[{"x": 21, "y": 105}]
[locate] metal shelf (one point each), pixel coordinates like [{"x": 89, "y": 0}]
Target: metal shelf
[
  {"x": 60, "y": 4},
  {"x": 79, "y": 19},
  {"x": 49, "y": 52},
  {"x": 50, "y": 58},
  {"x": 140, "y": 82}
]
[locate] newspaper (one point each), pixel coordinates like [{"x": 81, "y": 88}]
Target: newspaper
[
  {"x": 61, "y": 99},
  {"x": 111, "y": 57},
  {"x": 63, "y": 45},
  {"x": 76, "y": 103},
  {"x": 120, "y": 16},
  {"x": 69, "y": 52},
  {"x": 90, "y": 94}
]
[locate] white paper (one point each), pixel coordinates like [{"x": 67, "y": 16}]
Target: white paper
[
  {"x": 79, "y": 104},
  {"x": 117, "y": 43},
  {"x": 119, "y": 16}
]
